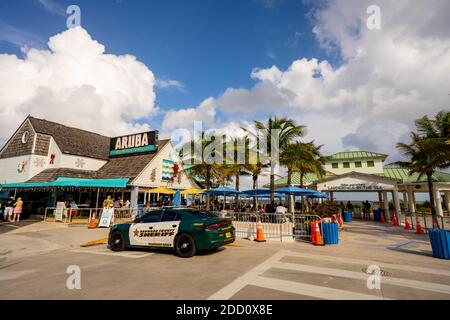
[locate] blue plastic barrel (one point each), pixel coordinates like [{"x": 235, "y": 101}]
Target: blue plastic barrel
[
  {"x": 347, "y": 216},
  {"x": 377, "y": 215},
  {"x": 330, "y": 232},
  {"x": 440, "y": 243}
]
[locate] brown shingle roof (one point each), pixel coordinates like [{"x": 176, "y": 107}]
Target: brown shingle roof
[
  {"x": 127, "y": 167},
  {"x": 48, "y": 175},
  {"x": 74, "y": 141}
]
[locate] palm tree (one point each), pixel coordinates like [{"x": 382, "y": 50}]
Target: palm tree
[
  {"x": 288, "y": 131},
  {"x": 428, "y": 151},
  {"x": 200, "y": 167},
  {"x": 303, "y": 158}
]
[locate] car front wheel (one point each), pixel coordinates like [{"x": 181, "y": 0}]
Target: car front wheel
[
  {"x": 185, "y": 246},
  {"x": 116, "y": 242}
]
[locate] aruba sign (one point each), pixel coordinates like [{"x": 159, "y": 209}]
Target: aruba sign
[{"x": 135, "y": 143}]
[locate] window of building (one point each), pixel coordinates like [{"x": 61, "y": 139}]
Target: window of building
[
  {"x": 346, "y": 164},
  {"x": 370, "y": 163},
  {"x": 335, "y": 165},
  {"x": 358, "y": 164}
]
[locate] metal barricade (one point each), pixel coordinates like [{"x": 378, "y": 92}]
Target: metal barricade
[
  {"x": 275, "y": 226},
  {"x": 303, "y": 224}
]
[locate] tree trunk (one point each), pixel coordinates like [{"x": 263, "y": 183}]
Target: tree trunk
[
  {"x": 289, "y": 177},
  {"x": 208, "y": 186},
  {"x": 301, "y": 185},
  {"x": 431, "y": 194},
  {"x": 237, "y": 188},
  {"x": 272, "y": 184},
  {"x": 255, "y": 182}
]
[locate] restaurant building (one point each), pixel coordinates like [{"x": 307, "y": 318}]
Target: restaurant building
[
  {"x": 364, "y": 171},
  {"x": 44, "y": 162}
]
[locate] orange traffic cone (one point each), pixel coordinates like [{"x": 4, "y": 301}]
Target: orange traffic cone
[
  {"x": 382, "y": 218},
  {"x": 313, "y": 231},
  {"x": 419, "y": 229},
  {"x": 407, "y": 225},
  {"x": 396, "y": 224},
  {"x": 259, "y": 232},
  {"x": 92, "y": 222},
  {"x": 317, "y": 240}
]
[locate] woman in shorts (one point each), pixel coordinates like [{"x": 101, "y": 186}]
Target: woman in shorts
[{"x": 17, "y": 209}]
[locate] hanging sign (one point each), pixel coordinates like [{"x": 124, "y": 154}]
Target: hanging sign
[
  {"x": 106, "y": 217},
  {"x": 356, "y": 186},
  {"x": 135, "y": 143}
]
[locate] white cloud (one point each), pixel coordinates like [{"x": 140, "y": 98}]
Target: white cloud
[
  {"x": 184, "y": 118},
  {"x": 76, "y": 83},
  {"x": 52, "y": 7},
  {"x": 168, "y": 84},
  {"x": 387, "y": 77}
]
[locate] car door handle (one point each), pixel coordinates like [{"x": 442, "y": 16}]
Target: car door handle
[{"x": 174, "y": 225}]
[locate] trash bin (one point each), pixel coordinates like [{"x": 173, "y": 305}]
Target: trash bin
[
  {"x": 330, "y": 232},
  {"x": 347, "y": 216},
  {"x": 440, "y": 243}
]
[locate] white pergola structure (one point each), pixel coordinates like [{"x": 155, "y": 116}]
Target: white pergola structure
[
  {"x": 361, "y": 182},
  {"x": 409, "y": 189}
]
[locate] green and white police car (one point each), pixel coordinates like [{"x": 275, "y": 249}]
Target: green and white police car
[{"x": 184, "y": 230}]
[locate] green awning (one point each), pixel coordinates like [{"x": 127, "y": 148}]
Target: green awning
[{"x": 62, "y": 182}]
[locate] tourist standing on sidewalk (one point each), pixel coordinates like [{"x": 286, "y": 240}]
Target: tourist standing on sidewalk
[
  {"x": 17, "y": 209},
  {"x": 9, "y": 208}
]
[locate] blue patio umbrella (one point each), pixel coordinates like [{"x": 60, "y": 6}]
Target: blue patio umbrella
[
  {"x": 177, "y": 198},
  {"x": 296, "y": 191},
  {"x": 257, "y": 192},
  {"x": 318, "y": 195},
  {"x": 222, "y": 191}
]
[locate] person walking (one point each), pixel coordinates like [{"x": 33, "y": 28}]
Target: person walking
[
  {"x": 9, "y": 208},
  {"x": 17, "y": 209},
  {"x": 366, "y": 210},
  {"x": 349, "y": 206}
]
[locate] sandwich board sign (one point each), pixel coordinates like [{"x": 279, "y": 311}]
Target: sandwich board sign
[
  {"x": 59, "y": 211},
  {"x": 106, "y": 217}
]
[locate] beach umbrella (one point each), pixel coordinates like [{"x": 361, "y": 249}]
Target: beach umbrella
[
  {"x": 318, "y": 195},
  {"x": 162, "y": 190},
  {"x": 177, "y": 199},
  {"x": 296, "y": 191},
  {"x": 222, "y": 191},
  {"x": 193, "y": 191}
]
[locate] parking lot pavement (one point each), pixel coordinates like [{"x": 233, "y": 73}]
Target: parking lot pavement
[{"x": 243, "y": 270}]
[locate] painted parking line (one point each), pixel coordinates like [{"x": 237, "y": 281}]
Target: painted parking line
[
  {"x": 107, "y": 252},
  {"x": 364, "y": 262},
  {"x": 429, "y": 286},
  {"x": 311, "y": 290},
  {"x": 235, "y": 286},
  {"x": 255, "y": 277}
]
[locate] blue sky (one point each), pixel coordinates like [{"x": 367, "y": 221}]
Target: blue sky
[
  {"x": 227, "y": 61},
  {"x": 205, "y": 45}
]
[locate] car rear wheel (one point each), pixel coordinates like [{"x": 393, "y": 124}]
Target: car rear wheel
[
  {"x": 116, "y": 242},
  {"x": 185, "y": 246}
]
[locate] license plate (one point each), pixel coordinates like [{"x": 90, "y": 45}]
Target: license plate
[{"x": 228, "y": 235}]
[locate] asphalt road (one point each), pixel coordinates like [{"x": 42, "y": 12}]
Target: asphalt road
[{"x": 34, "y": 261}]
